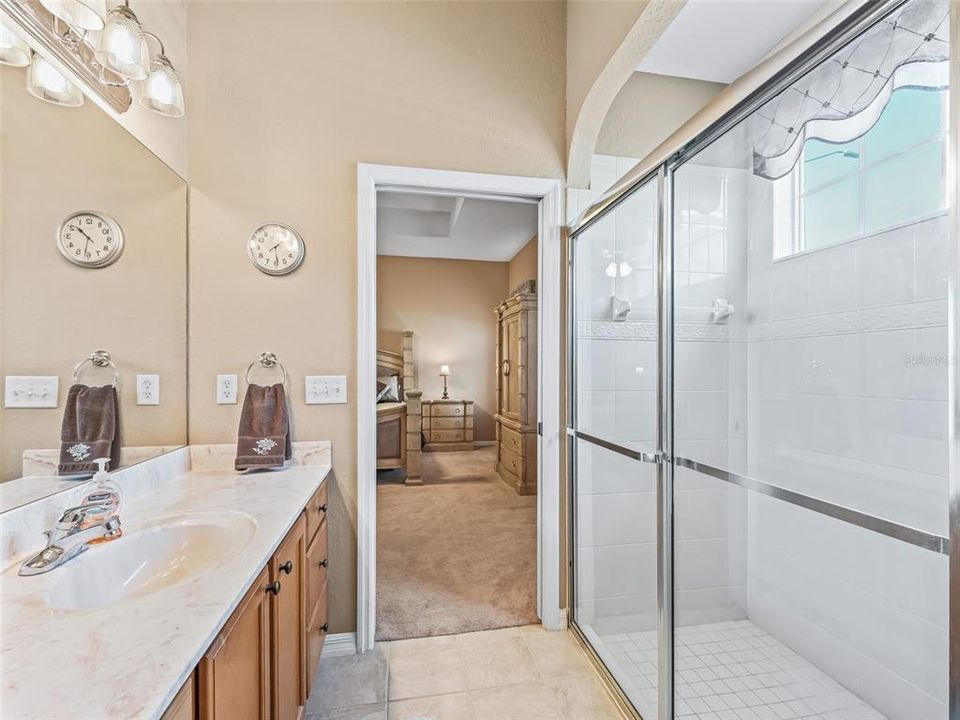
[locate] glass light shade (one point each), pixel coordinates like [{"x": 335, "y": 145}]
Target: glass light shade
[
  {"x": 444, "y": 370},
  {"x": 83, "y": 15},
  {"x": 47, "y": 83},
  {"x": 13, "y": 50},
  {"x": 162, "y": 91},
  {"x": 123, "y": 46}
]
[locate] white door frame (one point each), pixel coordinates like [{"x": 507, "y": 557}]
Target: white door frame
[{"x": 550, "y": 196}]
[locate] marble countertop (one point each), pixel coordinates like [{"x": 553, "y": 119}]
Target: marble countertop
[{"x": 129, "y": 659}]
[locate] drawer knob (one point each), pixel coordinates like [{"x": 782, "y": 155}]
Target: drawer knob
[
  {"x": 274, "y": 587},
  {"x": 323, "y": 508},
  {"x": 287, "y": 567},
  {"x": 323, "y": 563},
  {"x": 323, "y": 628}
]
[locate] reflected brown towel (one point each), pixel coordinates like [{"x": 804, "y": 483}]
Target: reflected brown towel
[
  {"x": 90, "y": 429},
  {"x": 263, "y": 440}
]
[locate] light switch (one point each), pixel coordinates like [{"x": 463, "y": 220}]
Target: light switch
[
  {"x": 325, "y": 389},
  {"x": 148, "y": 389},
  {"x": 30, "y": 391},
  {"x": 226, "y": 389}
]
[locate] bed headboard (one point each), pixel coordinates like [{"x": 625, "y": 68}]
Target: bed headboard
[
  {"x": 401, "y": 364},
  {"x": 390, "y": 363}
]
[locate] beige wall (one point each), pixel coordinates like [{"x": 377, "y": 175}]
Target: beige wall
[
  {"x": 449, "y": 306},
  {"x": 56, "y": 161},
  {"x": 648, "y": 109},
  {"x": 462, "y": 86},
  {"x": 524, "y": 265}
]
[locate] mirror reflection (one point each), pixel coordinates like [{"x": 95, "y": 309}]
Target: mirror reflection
[{"x": 93, "y": 269}]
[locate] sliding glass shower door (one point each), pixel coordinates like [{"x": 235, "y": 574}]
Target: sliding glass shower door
[
  {"x": 615, "y": 422},
  {"x": 764, "y": 397}
]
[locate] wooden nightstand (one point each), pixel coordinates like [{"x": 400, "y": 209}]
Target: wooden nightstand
[{"x": 447, "y": 425}]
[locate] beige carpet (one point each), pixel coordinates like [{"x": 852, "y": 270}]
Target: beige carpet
[{"x": 458, "y": 553}]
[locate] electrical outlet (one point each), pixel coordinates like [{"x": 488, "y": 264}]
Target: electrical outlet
[
  {"x": 226, "y": 389},
  {"x": 25, "y": 391},
  {"x": 325, "y": 389},
  {"x": 148, "y": 389}
]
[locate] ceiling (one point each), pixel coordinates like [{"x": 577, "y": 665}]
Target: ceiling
[
  {"x": 453, "y": 226},
  {"x": 719, "y": 40}
]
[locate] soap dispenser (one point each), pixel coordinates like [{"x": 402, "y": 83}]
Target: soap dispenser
[{"x": 106, "y": 494}]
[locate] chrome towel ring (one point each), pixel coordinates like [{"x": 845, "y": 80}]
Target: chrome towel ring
[
  {"x": 269, "y": 361},
  {"x": 100, "y": 359}
]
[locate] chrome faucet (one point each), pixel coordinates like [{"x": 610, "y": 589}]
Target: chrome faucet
[{"x": 76, "y": 528}]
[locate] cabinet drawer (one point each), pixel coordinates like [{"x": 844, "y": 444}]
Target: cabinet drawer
[
  {"x": 316, "y": 635},
  {"x": 316, "y": 511},
  {"x": 510, "y": 439},
  {"x": 447, "y": 423},
  {"x": 447, "y": 411},
  {"x": 316, "y": 569},
  {"x": 511, "y": 461},
  {"x": 446, "y": 436}
]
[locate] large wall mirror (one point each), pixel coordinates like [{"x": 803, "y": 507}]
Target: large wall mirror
[{"x": 56, "y": 162}]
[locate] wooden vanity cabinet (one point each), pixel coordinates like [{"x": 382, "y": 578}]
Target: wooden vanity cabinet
[
  {"x": 261, "y": 665},
  {"x": 235, "y": 675},
  {"x": 288, "y": 619}
]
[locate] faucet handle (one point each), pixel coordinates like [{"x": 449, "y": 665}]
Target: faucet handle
[{"x": 74, "y": 516}]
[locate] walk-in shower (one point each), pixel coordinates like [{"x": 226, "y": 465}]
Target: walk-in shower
[{"x": 762, "y": 385}]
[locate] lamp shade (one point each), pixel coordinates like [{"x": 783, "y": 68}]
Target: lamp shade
[
  {"x": 162, "y": 91},
  {"x": 123, "y": 46},
  {"x": 13, "y": 50},
  {"x": 47, "y": 83},
  {"x": 80, "y": 14},
  {"x": 444, "y": 370}
]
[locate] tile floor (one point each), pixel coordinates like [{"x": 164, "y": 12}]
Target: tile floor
[
  {"x": 524, "y": 673},
  {"x": 733, "y": 671}
]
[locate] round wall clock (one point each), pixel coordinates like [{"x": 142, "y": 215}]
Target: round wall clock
[
  {"x": 90, "y": 239},
  {"x": 275, "y": 249}
]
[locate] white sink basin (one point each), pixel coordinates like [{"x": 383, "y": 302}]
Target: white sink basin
[{"x": 168, "y": 552}]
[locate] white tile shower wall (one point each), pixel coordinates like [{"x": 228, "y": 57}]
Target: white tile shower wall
[{"x": 847, "y": 368}]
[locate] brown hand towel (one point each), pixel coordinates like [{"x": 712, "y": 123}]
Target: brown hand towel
[
  {"x": 90, "y": 429},
  {"x": 264, "y": 437}
]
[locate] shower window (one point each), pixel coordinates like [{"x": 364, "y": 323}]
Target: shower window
[{"x": 889, "y": 177}]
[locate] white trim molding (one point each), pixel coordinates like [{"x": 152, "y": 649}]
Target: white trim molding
[
  {"x": 339, "y": 644},
  {"x": 549, "y": 193}
]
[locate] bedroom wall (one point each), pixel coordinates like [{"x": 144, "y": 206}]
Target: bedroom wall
[
  {"x": 524, "y": 265},
  {"x": 449, "y": 305}
]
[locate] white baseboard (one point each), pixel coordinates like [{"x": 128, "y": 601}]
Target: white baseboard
[{"x": 339, "y": 645}]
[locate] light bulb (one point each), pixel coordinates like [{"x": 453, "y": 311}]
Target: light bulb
[
  {"x": 123, "y": 47},
  {"x": 47, "y": 83},
  {"x": 162, "y": 92},
  {"x": 13, "y": 50}
]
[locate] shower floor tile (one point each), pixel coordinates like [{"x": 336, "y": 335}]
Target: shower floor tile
[{"x": 733, "y": 671}]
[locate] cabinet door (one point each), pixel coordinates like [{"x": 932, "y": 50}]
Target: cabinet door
[
  {"x": 235, "y": 672},
  {"x": 288, "y": 623},
  {"x": 509, "y": 370}
]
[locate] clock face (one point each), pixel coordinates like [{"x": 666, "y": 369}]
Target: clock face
[
  {"x": 275, "y": 249},
  {"x": 90, "y": 239}
]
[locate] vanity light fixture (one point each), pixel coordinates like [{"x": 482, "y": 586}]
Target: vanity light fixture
[
  {"x": 47, "y": 83},
  {"x": 13, "y": 50},
  {"x": 162, "y": 91},
  {"x": 123, "y": 46}
]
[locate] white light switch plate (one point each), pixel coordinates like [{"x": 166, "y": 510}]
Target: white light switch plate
[
  {"x": 226, "y": 389},
  {"x": 325, "y": 389},
  {"x": 30, "y": 391},
  {"x": 148, "y": 389}
]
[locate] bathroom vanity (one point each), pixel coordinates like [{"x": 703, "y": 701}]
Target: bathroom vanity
[{"x": 211, "y": 606}]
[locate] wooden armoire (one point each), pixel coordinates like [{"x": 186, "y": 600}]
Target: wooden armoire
[{"x": 517, "y": 390}]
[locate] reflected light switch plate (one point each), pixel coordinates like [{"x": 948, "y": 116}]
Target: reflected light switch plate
[
  {"x": 30, "y": 391},
  {"x": 325, "y": 389}
]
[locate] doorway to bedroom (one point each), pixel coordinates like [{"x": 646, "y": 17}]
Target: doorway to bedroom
[{"x": 456, "y": 406}]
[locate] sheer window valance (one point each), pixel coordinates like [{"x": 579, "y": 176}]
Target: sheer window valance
[{"x": 842, "y": 99}]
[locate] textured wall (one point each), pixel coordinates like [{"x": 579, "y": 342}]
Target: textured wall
[{"x": 276, "y": 134}]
